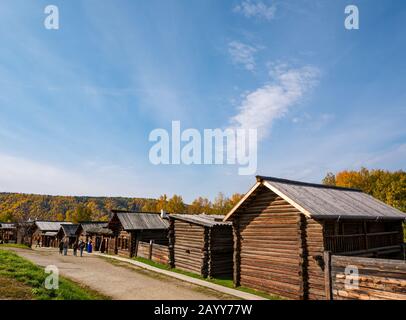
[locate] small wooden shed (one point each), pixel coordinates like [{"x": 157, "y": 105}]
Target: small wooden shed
[
  {"x": 69, "y": 231},
  {"x": 282, "y": 228},
  {"x": 8, "y": 233},
  {"x": 129, "y": 228},
  {"x": 46, "y": 232},
  {"x": 98, "y": 232},
  {"x": 202, "y": 244}
]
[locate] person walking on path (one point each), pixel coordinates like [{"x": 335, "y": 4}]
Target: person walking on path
[
  {"x": 60, "y": 246},
  {"x": 75, "y": 249},
  {"x": 65, "y": 247},
  {"x": 81, "y": 247}
]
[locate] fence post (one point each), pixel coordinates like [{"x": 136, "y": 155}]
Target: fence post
[
  {"x": 151, "y": 243},
  {"x": 327, "y": 275}
]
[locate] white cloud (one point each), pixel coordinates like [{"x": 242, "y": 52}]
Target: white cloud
[
  {"x": 242, "y": 54},
  {"x": 313, "y": 122},
  {"x": 261, "y": 107},
  {"x": 256, "y": 9}
]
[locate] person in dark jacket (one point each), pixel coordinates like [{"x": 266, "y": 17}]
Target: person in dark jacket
[
  {"x": 65, "y": 247},
  {"x": 60, "y": 247},
  {"x": 81, "y": 247},
  {"x": 75, "y": 249}
]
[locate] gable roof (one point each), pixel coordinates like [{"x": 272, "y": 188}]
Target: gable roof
[
  {"x": 325, "y": 202},
  {"x": 202, "y": 219},
  {"x": 70, "y": 230},
  {"x": 90, "y": 226},
  {"x": 96, "y": 227},
  {"x": 50, "y": 225},
  {"x": 7, "y": 225},
  {"x": 141, "y": 221}
]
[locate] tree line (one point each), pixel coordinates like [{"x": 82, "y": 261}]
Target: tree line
[
  {"x": 389, "y": 187},
  {"x": 16, "y": 207}
]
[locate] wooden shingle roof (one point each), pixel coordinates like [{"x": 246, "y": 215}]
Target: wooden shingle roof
[
  {"x": 141, "y": 221},
  {"x": 7, "y": 225},
  {"x": 201, "y": 219},
  {"x": 50, "y": 225},
  {"x": 325, "y": 202},
  {"x": 70, "y": 230},
  {"x": 92, "y": 226}
]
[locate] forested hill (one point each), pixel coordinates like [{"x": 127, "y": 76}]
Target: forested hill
[{"x": 17, "y": 207}]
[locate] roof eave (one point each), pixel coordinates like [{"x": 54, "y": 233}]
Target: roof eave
[{"x": 246, "y": 196}]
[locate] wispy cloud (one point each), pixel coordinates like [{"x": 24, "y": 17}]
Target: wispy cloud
[
  {"x": 256, "y": 9},
  {"x": 243, "y": 54},
  {"x": 261, "y": 107},
  {"x": 25, "y": 175}
]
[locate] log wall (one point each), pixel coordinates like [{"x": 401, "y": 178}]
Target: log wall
[
  {"x": 207, "y": 251},
  {"x": 270, "y": 237},
  {"x": 220, "y": 252},
  {"x": 379, "y": 279},
  {"x": 188, "y": 244},
  {"x": 315, "y": 262}
]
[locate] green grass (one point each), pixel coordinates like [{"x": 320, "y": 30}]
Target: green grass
[
  {"x": 14, "y": 245},
  {"x": 222, "y": 282},
  {"x": 25, "y": 272}
]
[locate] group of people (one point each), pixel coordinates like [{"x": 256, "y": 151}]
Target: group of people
[{"x": 78, "y": 245}]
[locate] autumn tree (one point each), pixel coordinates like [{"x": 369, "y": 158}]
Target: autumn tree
[
  {"x": 329, "y": 179},
  {"x": 81, "y": 213},
  {"x": 176, "y": 205},
  {"x": 200, "y": 205},
  {"x": 150, "y": 206},
  {"x": 162, "y": 203},
  {"x": 389, "y": 187}
]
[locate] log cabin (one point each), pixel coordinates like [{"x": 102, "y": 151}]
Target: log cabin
[
  {"x": 25, "y": 230},
  {"x": 98, "y": 232},
  {"x": 45, "y": 232},
  {"x": 130, "y": 228},
  {"x": 202, "y": 244},
  {"x": 8, "y": 233},
  {"x": 282, "y": 228},
  {"x": 69, "y": 231}
]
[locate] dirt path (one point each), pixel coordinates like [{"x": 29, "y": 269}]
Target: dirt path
[{"x": 119, "y": 280}]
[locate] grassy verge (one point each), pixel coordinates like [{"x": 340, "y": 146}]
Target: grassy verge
[
  {"x": 223, "y": 282},
  {"x": 14, "y": 245},
  {"x": 30, "y": 275},
  {"x": 11, "y": 289}
]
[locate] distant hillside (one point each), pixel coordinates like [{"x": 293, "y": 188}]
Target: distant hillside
[{"x": 17, "y": 207}]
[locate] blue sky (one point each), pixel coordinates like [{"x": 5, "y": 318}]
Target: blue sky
[{"x": 77, "y": 104}]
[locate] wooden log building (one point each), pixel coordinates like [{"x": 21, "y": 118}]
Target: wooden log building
[
  {"x": 25, "y": 230},
  {"x": 98, "y": 232},
  {"x": 202, "y": 244},
  {"x": 8, "y": 232},
  {"x": 69, "y": 231},
  {"x": 45, "y": 232},
  {"x": 282, "y": 228},
  {"x": 129, "y": 228}
]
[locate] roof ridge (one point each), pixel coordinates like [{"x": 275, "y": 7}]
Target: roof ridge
[{"x": 302, "y": 183}]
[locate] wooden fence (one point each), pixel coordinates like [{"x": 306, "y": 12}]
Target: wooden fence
[
  {"x": 364, "y": 278},
  {"x": 154, "y": 252}
]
